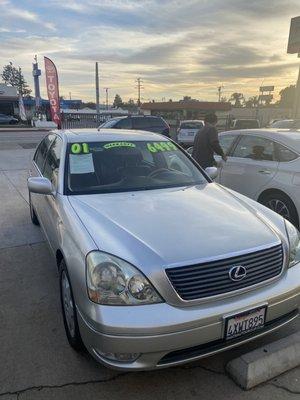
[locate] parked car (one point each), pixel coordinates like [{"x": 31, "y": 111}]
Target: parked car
[
  {"x": 8, "y": 119},
  {"x": 187, "y": 131},
  {"x": 265, "y": 166},
  {"x": 245, "y": 124},
  {"x": 140, "y": 289},
  {"x": 139, "y": 122},
  {"x": 286, "y": 124}
]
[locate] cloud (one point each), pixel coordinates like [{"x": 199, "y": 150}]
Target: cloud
[
  {"x": 177, "y": 47},
  {"x": 15, "y": 14}
]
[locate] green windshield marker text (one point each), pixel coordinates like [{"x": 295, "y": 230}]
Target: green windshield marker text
[
  {"x": 78, "y": 148},
  {"x": 155, "y": 147},
  {"x": 118, "y": 144}
]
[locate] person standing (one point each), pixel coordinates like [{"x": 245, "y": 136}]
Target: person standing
[{"x": 206, "y": 143}]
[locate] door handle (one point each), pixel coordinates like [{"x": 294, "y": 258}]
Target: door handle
[{"x": 264, "y": 171}]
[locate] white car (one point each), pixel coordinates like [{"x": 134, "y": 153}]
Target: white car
[
  {"x": 264, "y": 165},
  {"x": 187, "y": 131}
]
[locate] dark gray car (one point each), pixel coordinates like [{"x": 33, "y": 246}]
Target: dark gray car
[
  {"x": 139, "y": 122},
  {"x": 8, "y": 119}
]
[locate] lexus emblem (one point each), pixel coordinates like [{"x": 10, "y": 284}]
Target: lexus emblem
[{"x": 237, "y": 273}]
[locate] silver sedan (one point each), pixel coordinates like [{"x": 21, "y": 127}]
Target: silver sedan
[{"x": 158, "y": 264}]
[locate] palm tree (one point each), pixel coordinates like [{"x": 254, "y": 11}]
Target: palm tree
[{"x": 237, "y": 99}]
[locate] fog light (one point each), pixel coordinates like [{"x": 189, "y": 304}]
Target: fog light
[{"x": 120, "y": 357}]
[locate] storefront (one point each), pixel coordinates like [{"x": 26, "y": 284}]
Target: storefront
[
  {"x": 175, "y": 111},
  {"x": 8, "y": 100}
]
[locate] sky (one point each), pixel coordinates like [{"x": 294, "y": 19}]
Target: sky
[{"x": 178, "y": 48}]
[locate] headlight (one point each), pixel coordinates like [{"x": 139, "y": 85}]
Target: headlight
[
  {"x": 113, "y": 281},
  {"x": 294, "y": 239}
]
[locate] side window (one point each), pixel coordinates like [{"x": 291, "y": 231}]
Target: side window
[
  {"x": 283, "y": 154},
  {"x": 157, "y": 122},
  {"x": 254, "y": 147},
  {"x": 141, "y": 123},
  {"x": 41, "y": 152},
  {"x": 124, "y": 123},
  {"x": 226, "y": 141},
  {"x": 52, "y": 162}
]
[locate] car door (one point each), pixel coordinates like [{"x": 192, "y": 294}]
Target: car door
[
  {"x": 227, "y": 142},
  {"x": 49, "y": 213},
  {"x": 251, "y": 165}
]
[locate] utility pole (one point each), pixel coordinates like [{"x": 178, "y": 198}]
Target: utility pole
[
  {"x": 106, "y": 97},
  {"x": 97, "y": 90},
  {"x": 70, "y": 95},
  {"x": 139, "y": 87},
  {"x": 220, "y": 92},
  {"x": 297, "y": 91}
]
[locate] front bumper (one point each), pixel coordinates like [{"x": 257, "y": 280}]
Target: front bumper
[{"x": 165, "y": 335}]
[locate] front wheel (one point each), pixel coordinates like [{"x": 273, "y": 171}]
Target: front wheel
[
  {"x": 282, "y": 205},
  {"x": 69, "y": 309}
]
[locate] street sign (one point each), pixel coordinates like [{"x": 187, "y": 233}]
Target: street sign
[
  {"x": 294, "y": 37},
  {"x": 266, "y": 89},
  {"x": 266, "y": 97}
]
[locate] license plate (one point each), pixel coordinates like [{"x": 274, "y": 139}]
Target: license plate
[
  {"x": 191, "y": 133},
  {"x": 246, "y": 322}
]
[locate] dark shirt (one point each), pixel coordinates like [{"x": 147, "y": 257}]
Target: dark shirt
[{"x": 206, "y": 143}]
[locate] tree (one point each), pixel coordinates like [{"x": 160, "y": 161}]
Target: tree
[
  {"x": 14, "y": 77},
  {"x": 252, "y": 101},
  {"x": 118, "y": 101},
  {"x": 287, "y": 96},
  {"x": 237, "y": 99}
]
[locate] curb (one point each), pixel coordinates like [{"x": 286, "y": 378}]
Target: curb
[{"x": 265, "y": 363}]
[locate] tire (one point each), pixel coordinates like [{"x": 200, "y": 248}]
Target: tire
[
  {"x": 283, "y": 205},
  {"x": 33, "y": 216},
  {"x": 68, "y": 307}
]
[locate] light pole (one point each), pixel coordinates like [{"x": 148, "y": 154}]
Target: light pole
[{"x": 97, "y": 90}]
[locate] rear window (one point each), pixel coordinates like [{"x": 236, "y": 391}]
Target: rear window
[
  {"x": 191, "y": 125},
  {"x": 283, "y": 124},
  {"x": 283, "y": 154},
  {"x": 110, "y": 123},
  {"x": 148, "y": 122},
  {"x": 246, "y": 124}
]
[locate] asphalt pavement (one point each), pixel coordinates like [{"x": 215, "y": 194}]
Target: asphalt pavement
[{"x": 36, "y": 361}]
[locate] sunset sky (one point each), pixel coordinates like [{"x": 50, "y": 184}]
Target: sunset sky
[{"x": 178, "y": 48}]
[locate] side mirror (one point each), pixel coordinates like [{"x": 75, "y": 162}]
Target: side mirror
[
  {"x": 40, "y": 185},
  {"x": 212, "y": 172}
]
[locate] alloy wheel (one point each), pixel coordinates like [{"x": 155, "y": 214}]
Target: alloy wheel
[
  {"x": 68, "y": 304},
  {"x": 279, "y": 207}
]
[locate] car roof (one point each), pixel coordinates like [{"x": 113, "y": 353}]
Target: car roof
[
  {"x": 107, "y": 135},
  {"x": 192, "y": 120},
  {"x": 134, "y": 116},
  {"x": 288, "y": 137}
]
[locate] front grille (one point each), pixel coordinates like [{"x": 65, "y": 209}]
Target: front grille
[{"x": 212, "y": 278}]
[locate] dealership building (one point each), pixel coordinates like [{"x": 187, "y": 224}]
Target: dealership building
[{"x": 8, "y": 99}]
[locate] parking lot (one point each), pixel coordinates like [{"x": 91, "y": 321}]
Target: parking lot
[{"x": 36, "y": 360}]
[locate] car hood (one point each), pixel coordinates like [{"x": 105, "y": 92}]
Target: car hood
[{"x": 169, "y": 227}]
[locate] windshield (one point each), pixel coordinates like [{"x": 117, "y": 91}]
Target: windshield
[
  {"x": 191, "y": 125},
  {"x": 106, "y": 167},
  {"x": 282, "y": 124}
]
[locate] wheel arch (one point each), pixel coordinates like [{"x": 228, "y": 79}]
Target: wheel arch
[
  {"x": 267, "y": 192},
  {"x": 59, "y": 257}
]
